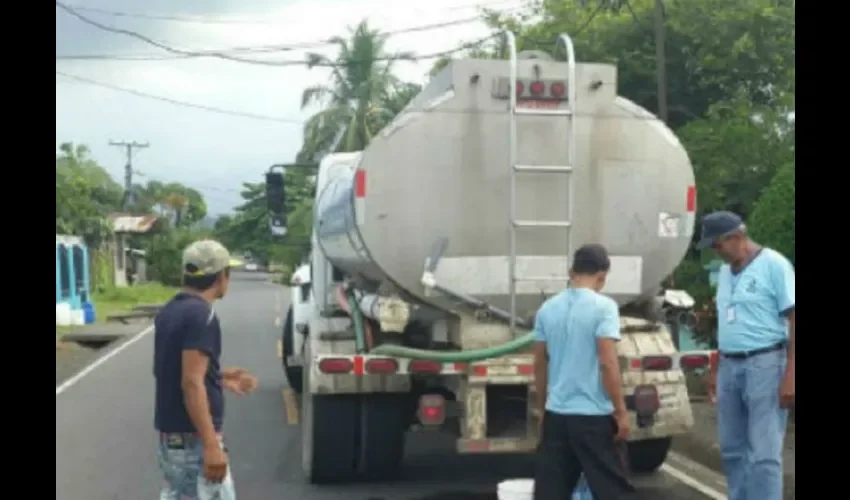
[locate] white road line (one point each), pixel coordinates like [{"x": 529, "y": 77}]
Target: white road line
[
  {"x": 101, "y": 360},
  {"x": 693, "y": 483}
]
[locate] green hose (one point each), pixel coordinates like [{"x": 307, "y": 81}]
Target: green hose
[
  {"x": 359, "y": 328},
  {"x": 455, "y": 356},
  {"x": 442, "y": 356}
]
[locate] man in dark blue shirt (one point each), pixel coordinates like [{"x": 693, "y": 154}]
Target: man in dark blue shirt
[{"x": 189, "y": 409}]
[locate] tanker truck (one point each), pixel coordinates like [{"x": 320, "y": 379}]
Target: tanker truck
[{"x": 433, "y": 248}]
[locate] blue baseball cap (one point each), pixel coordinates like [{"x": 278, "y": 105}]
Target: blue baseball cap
[{"x": 716, "y": 225}]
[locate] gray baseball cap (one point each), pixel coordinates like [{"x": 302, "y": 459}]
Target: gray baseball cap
[
  {"x": 716, "y": 225},
  {"x": 205, "y": 257}
]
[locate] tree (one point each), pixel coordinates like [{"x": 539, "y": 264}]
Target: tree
[
  {"x": 247, "y": 230},
  {"x": 182, "y": 205},
  {"x": 85, "y": 194},
  {"x": 716, "y": 49},
  {"x": 361, "y": 81},
  {"x": 773, "y": 220}
]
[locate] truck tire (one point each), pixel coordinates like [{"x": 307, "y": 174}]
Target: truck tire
[
  {"x": 330, "y": 432},
  {"x": 646, "y": 456},
  {"x": 384, "y": 420},
  {"x": 294, "y": 374}
]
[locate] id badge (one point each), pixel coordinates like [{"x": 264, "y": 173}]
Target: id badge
[{"x": 730, "y": 315}]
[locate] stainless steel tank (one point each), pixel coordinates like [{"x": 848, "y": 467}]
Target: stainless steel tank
[{"x": 441, "y": 170}]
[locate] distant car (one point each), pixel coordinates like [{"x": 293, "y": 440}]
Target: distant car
[{"x": 251, "y": 267}]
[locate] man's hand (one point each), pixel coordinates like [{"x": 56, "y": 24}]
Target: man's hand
[
  {"x": 215, "y": 463},
  {"x": 233, "y": 373},
  {"x": 241, "y": 385},
  {"x": 623, "y": 425},
  {"x": 787, "y": 392}
]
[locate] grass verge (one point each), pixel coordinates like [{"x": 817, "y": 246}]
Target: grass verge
[{"x": 123, "y": 299}]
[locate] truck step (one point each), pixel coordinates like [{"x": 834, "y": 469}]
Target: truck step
[
  {"x": 543, "y": 223},
  {"x": 544, "y": 169}
]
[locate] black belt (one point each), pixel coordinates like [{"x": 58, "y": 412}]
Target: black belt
[{"x": 756, "y": 352}]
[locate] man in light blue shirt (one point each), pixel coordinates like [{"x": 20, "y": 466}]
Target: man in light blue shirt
[
  {"x": 577, "y": 379},
  {"x": 753, "y": 383}
]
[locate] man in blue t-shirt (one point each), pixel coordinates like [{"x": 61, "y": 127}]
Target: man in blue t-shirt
[
  {"x": 753, "y": 383},
  {"x": 189, "y": 410},
  {"x": 577, "y": 379}
]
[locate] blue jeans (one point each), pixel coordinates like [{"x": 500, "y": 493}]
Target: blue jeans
[
  {"x": 181, "y": 458},
  {"x": 751, "y": 425}
]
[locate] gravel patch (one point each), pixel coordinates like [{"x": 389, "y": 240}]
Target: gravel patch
[{"x": 701, "y": 445}]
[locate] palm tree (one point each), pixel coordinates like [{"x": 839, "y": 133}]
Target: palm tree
[{"x": 361, "y": 82}]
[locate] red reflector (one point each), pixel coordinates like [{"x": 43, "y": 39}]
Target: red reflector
[
  {"x": 558, "y": 89},
  {"x": 335, "y": 365},
  {"x": 537, "y": 88},
  {"x": 693, "y": 361},
  {"x": 381, "y": 366},
  {"x": 360, "y": 183},
  {"x": 479, "y": 371},
  {"x": 635, "y": 364},
  {"x": 657, "y": 363},
  {"x": 525, "y": 369},
  {"x": 519, "y": 88},
  {"x": 432, "y": 409},
  {"x": 423, "y": 366}
]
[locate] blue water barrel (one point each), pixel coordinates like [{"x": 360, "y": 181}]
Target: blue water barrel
[{"x": 88, "y": 313}]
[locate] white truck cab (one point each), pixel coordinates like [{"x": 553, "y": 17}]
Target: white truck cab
[{"x": 296, "y": 327}]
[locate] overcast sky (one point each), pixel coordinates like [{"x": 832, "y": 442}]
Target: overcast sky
[{"x": 214, "y": 152}]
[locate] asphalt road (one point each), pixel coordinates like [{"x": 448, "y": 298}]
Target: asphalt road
[{"x": 105, "y": 438}]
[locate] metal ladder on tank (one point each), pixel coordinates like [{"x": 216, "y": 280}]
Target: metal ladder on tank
[{"x": 516, "y": 167}]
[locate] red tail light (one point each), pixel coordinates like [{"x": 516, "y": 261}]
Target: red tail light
[
  {"x": 537, "y": 88},
  {"x": 432, "y": 409},
  {"x": 693, "y": 361},
  {"x": 558, "y": 89},
  {"x": 657, "y": 363},
  {"x": 381, "y": 366},
  {"x": 423, "y": 366},
  {"x": 336, "y": 365},
  {"x": 519, "y": 88}
]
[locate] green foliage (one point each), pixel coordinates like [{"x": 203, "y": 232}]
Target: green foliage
[
  {"x": 181, "y": 205},
  {"x": 85, "y": 194},
  {"x": 164, "y": 253},
  {"x": 772, "y": 222}
]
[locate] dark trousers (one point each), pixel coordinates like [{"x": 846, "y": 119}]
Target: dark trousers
[{"x": 572, "y": 444}]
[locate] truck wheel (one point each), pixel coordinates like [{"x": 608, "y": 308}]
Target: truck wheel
[
  {"x": 329, "y": 434},
  {"x": 646, "y": 456},
  {"x": 294, "y": 374},
  {"x": 384, "y": 420}
]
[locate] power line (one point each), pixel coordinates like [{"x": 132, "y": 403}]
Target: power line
[
  {"x": 220, "y": 21},
  {"x": 223, "y": 54},
  {"x": 176, "y": 102},
  {"x": 643, "y": 117}
]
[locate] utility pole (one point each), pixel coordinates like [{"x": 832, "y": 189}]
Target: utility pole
[
  {"x": 661, "y": 59},
  {"x": 128, "y": 167}
]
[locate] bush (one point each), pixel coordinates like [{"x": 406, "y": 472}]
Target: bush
[
  {"x": 165, "y": 255},
  {"x": 772, "y": 222}
]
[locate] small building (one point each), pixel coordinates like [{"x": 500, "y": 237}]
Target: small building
[{"x": 129, "y": 265}]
